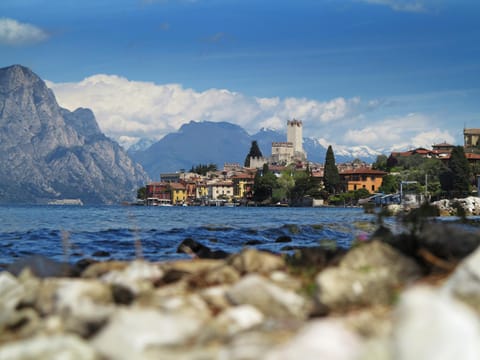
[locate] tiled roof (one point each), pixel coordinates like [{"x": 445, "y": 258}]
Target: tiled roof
[{"x": 363, "y": 171}]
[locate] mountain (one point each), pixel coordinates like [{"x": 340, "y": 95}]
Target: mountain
[
  {"x": 221, "y": 142},
  {"x": 48, "y": 153},
  {"x": 195, "y": 143}
]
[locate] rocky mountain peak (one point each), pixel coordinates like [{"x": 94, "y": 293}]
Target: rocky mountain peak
[{"x": 49, "y": 153}]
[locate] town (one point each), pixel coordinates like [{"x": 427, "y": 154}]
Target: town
[{"x": 287, "y": 178}]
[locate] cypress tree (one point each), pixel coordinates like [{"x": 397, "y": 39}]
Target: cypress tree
[
  {"x": 331, "y": 177},
  {"x": 460, "y": 171},
  {"x": 254, "y": 152}
]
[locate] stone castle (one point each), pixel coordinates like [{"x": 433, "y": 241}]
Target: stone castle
[{"x": 288, "y": 152}]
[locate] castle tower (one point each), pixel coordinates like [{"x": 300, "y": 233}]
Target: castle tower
[{"x": 294, "y": 135}]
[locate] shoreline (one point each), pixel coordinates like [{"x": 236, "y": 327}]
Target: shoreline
[{"x": 368, "y": 302}]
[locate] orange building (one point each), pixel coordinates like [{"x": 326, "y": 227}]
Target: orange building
[{"x": 363, "y": 178}]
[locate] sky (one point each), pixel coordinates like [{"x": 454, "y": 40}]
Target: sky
[{"x": 387, "y": 74}]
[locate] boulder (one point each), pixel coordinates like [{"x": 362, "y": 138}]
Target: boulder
[
  {"x": 132, "y": 333},
  {"x": 371, "y": 273},
  {"x": 197, "y": 249},
  {"x": 270, "y": 299},
  {"x": 254, "y": 261},
  {"x": 319, "y": 339},
  {"x": 464, "y": 283},
  {"x": 431, "y": 325}
]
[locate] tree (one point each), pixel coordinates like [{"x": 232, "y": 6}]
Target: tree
[
  {"x": 456, "y": 179},
  {"x": 390, "y": 184},
  {"x": 331, "y": 178},
  {"x": 263, "y": 184},
  {"x": 142, "y": 193},
  {"x": 203, "y": 169},
  {"x": 380, "y": 163},
  {"x": 254, "y": 152}
]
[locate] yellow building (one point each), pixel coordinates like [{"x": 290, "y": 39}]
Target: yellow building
[
  {"x": 363, "y": 178},
  {"x": 179, "y": 193}
]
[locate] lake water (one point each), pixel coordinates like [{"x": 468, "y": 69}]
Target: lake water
[{"x": 76, "y": 232}]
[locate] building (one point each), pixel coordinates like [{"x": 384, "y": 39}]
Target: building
[
  {"x": 220, "y": 190},
  {"x": 363, "y": 178},
  {"x": 295, "y": 136},
  {"x": 282, "y": 153},
  {"x": 179, "y": 193},
  {"x": 471, "y": 138}
]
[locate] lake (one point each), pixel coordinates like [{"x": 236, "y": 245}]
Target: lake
[{"x": 124, "y": 232}]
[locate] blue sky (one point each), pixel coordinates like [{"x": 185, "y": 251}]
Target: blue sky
[{"x": 382, "y": 73}]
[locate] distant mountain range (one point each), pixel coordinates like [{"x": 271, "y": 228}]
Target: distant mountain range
[
  {"x": 222, "y": 142},
  {"x": 49, "y": 153}
]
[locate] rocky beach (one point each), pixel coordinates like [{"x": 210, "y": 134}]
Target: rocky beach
[{"x": 410, "y": 296}]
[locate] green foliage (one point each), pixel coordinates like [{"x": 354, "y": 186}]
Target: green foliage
[
  {"x": 456, "y": 179},
  {"x": 142, "y": 193},
  {"x": 390, "y": 184},
  {"x": 254, "y": 152},
  {"x": 348, "y": 198},
  {"x": 381, "y": 163},
  {"x": 331, "y": 177},
  {"x": 203, "y": 169},
  {"x": 263, "y": 185}
]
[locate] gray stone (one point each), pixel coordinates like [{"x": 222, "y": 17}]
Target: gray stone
[
  {"x": 82, "y": 304},
  {"x": 254, "y": 261},
  {"x": 11, "y": 293},
  {"x": 368, "y": 274},
  {"x": 269, "y": 298}
]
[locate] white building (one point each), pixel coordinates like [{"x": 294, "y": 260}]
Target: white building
[{"x": 220, "y": 190}]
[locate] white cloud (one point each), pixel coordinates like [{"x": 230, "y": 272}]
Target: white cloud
[
  {"x": 127, "y": 110},
  {"x": 410, "y": 131},
  {"x": 401, "y": 5},
  {"x": 13, "y": 32}
]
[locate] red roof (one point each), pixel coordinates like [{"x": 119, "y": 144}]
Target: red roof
[{"x": 363, "y": 171}]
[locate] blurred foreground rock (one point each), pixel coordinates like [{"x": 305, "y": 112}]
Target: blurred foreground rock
[{"x": 375, "y": 303}]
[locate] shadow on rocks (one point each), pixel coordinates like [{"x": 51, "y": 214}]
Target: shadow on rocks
[
  {"x": 42, "y": 267},
  {"x": 197, "y": 249},
  {"x": 438, "y": 247}
]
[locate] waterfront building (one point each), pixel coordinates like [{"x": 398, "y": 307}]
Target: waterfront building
[
  {"x": 363, "y": 178},
  {"x": 471, "y": 138}
]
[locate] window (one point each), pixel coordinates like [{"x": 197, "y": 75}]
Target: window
[{"x": 373, "y": 187}]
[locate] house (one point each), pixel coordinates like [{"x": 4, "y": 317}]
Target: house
[
  {"x": 179, "y": 193},
  {"x": 471, "y": 138},
  {"x": 363, "y": 178},
  {"x": 158, "y": 193},
  {"x": 220, "y": 190},
  {"x": 243, "y": 185}
]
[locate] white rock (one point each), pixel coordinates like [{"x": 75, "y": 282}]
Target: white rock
[
  {"x": 11, "y": 293},
  {"x": 320, "y": 339},
  {"x": 267, "y": 297},
  {"x": 132, "y": 332},
  {"x": 137, "y": 276},
  {"x": 238, "y": 319},
  {"x": 58, "y": 347},
  {"x": 429, "y": 325},
  {"x": 465, "y": 281}
]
